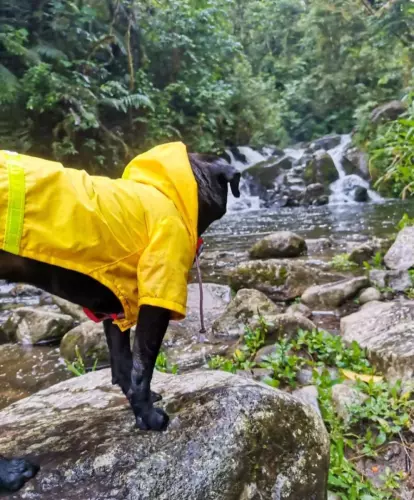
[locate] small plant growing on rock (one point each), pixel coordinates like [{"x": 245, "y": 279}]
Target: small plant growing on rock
[
  {"x": 406, "y": 220},
  {"x": 77, "y": 366},
  {"x": 341, "y": 262},
  {"x": 375, "y": 263},
  {"x": 162, "y": 364}
]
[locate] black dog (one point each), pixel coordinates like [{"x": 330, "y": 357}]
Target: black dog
[{"x": 132, "y": 371}]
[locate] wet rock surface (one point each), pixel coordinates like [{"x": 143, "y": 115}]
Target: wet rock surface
[
  {"x": 33, "y": 326},
  {"x": 279, "y": 245},
  {"x": 245, "y": 308},
  {"x": 281, "y": 280},
  {"x": 89, "y": 339},
  {"x": 386, "y": 330},
  {"x": 227, "y": 438},
  {"x": 332, "y": 295},
  {"x": 400, "y": 256}
]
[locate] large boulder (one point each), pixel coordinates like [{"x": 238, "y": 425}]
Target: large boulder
[
  {"x": 332, "y": 295},
  {"x": 227, "y": 440},
  {"x": 70, "y": 309},
  {"x": 89, "y": 338},
  {"x": 34, "y": 326},
  {"x": 281, "y": 280},
  {"x": 279, "y": 245},
  {"x": 398, "y": 281},
  {"x": 326, "y": 142},
  {"x": 388, "y": 111},
  {"x": 401, "y": 254},
  {"x": 362, "y": 253},
  {"x": 321, "y": 169},
  {"x": 386, "y": 330},
  {"x": 246, "y": 306}
]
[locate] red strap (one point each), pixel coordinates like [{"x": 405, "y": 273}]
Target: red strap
[{"x": 101, "y": 317}]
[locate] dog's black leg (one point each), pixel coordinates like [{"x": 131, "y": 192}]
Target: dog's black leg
[
  {"x": 152, "y": 325},
  {"x": 14, "y": 473},
  {"x": 119, "y": 345}
]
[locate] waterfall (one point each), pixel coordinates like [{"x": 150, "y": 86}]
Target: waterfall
[
  {"x": 343, "y": 190},
  {"x": 246, "y": 202}
]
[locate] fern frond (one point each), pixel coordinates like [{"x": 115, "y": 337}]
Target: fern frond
[{"x": 123, "y": 104}]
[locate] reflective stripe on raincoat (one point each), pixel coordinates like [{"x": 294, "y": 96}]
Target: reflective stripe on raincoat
[{"x": 136, "y": 235}]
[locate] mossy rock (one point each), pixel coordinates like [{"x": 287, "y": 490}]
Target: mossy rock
[
  {"x": 281, "y": 280},
  {"x": 279, "y": 245},
  {"x": 90, "y": 339}
]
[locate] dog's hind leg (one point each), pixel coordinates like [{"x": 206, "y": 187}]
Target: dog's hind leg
[
  {"x": 151, "y": 328},
  {"x": 119, "y": 345}
]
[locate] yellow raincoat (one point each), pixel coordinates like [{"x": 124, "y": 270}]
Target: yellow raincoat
[{"x": 136, "y": 235}]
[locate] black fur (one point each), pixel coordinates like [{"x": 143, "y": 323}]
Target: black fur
[{"x": 132, "y": 371}]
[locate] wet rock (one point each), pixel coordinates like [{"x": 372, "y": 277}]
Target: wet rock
[
  {"x": 69, "y": 308},
  {"x": 309, "y": 395},
  {"x": 357, "y": 161},
  {"x": 398, "y": 281},
  {"x": 266, "y": 174},
  {"x": 246, "y": 306},
  {"x": 345, "y": 395},
  {"x": 90, "y": 339},
  {"x": 226, "y": 440},
  {"x": 22, "y": 290},
  {"x": 361, "y": 194},
  {"x": 32, "y": 326},
  {"x": 388, "y": 111},
  {"x": 327, "y": 142},
  {"x": 195, "y": 355},
  {"x": 362, "y": 253},
  {"x": 299, "y": 308},
  {"x": 216, "y": 299},
  {"x": 280, "y": 280},
  {"x": 318, "y": 245},
  {"x": 386, "y": 330},
  {"x": 321, "y": 169},
  {"x": 284, "y": 325},
  {"x": 313, "y": 193},
  {"x": 400, "y": 256},
  {"x": 332, "y": 295},
  {"x": 369, "y": 295},
  {"x": 279, "y": 245}
]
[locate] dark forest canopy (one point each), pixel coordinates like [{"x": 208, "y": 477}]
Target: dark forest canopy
[{"x": 92, "y": 82}]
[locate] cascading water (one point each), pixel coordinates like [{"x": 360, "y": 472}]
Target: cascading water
[
  {"x": 343, "y": 190},
  {"x": 246, "y": 201},
  {"x": 347, "y": 189}
]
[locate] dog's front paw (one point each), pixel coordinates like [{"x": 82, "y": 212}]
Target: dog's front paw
[
  {"x": 15, "y": 473},
  {"x": 153, "y": 420}
]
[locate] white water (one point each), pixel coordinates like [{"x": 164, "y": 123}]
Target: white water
[
  {"x": 342, "y": 189},
  {"x": 246, "y": 202}
]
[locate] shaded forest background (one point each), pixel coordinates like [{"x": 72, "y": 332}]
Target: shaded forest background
[{"x": 92, "y": 82}]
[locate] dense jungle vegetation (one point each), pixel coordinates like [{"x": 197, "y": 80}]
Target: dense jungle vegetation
[{"x": 91, "y": 82}]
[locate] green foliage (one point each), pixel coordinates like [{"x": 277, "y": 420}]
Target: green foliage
[
  {"x": 163, "y": 365},
  {"x": 391, "y": 156},
  {"x": 384, "y": 413},
  {"x": 92, "y": 83},
  {"x": 376, "y": 262},
  {"x": 341, "y": 262},
  {"x": 77, "y": 366},
  {"x": 405, "y": 221}
]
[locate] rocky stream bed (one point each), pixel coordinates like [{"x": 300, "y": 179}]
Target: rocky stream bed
[{"x": 231, "y": 435}]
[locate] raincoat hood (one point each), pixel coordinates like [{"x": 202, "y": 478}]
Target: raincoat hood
[{"x": 167, "y": 168}]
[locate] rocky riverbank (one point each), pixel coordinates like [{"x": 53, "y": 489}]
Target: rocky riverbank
[{"x": 277, "y": 292}]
